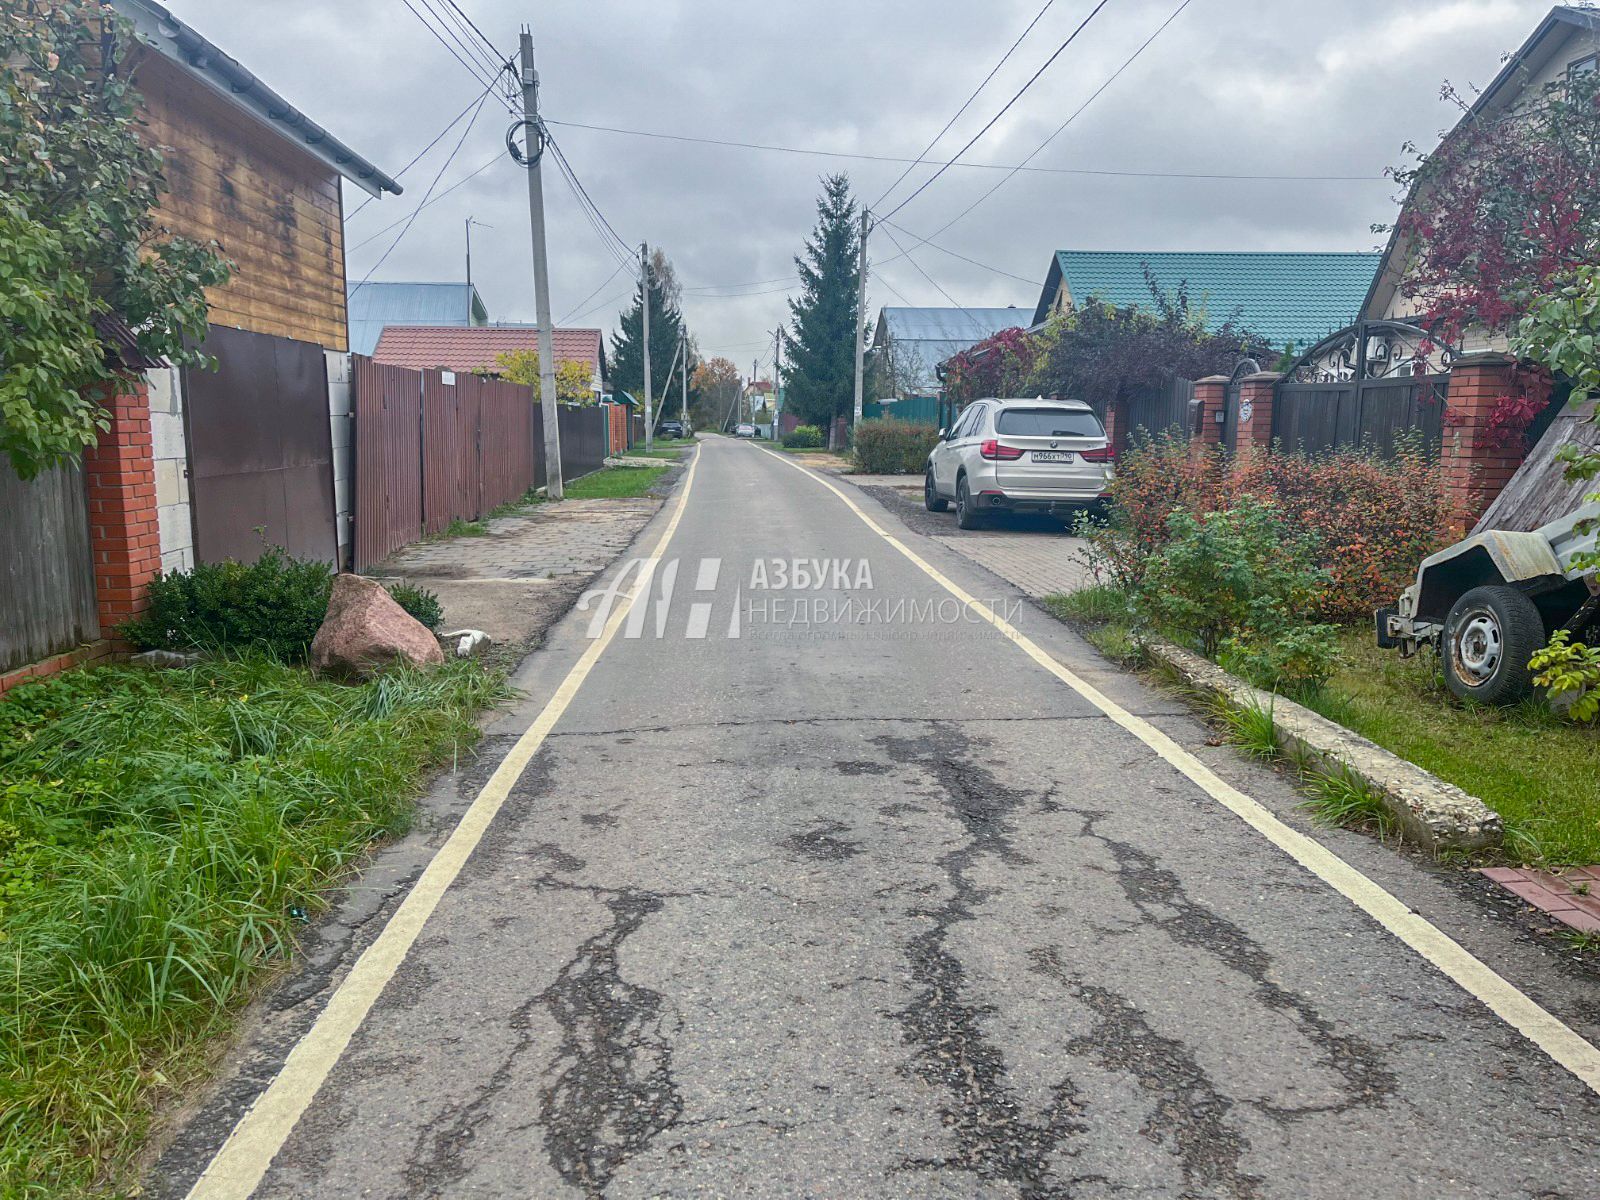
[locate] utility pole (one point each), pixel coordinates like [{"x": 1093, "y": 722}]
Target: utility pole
[
  {"x": 777, "y": 379},
  {"x": 471, "y": 221},
  {"x": 683, "y": 346},
  {"x": 534, "y": 156},
  {"x": 644, "y": 285},
  {"x": 861, "y": 314}
]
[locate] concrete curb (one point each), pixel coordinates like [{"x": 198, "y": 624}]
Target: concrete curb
[{"x": 1430, "y": 811}]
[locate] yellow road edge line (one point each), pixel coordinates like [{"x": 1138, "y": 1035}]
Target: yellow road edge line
[
  {"x": 1543, "y": 1028},
  {"x": 238, "y": 1167}
]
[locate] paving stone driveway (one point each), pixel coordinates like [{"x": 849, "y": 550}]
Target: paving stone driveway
[{"x": 518, "y": 579}]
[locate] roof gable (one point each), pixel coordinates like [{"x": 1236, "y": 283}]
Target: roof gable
[
  {"x": 154, "y": 26},
  {"x": 1286, "y": 297},
  {"x": 424, "y": 347}
]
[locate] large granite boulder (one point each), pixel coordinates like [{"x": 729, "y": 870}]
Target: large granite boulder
[{"x": 365, "y": 631}]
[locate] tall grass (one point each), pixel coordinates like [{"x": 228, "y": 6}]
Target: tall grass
[{"x": 161, "y": 834}]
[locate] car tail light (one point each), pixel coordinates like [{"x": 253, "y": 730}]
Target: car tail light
[
  {"x": 1103, "y": 455},
  {"x": 995, "y": 452}
]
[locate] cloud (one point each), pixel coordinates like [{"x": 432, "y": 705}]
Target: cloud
[{"x": 1233, "y": 86}]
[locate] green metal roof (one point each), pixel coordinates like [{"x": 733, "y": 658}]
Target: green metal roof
[{"x": 1285, "y": 297}]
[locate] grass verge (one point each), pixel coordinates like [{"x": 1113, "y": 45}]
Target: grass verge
[
  {"x": 1540, "y": 773},
  {"x": 615, "y": 483},
  {"x": 162, "y": 835}
]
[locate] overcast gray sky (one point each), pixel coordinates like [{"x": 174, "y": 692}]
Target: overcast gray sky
[{"x": 1283, "y": 87}]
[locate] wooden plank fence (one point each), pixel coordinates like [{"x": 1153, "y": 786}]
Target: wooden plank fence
[{"x": 47, "y": 598}]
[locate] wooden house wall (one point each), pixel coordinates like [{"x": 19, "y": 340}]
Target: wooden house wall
[{"x": 275, "y": 209}]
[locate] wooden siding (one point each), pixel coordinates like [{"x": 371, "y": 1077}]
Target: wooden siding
[{"x": 275, "y": 209}]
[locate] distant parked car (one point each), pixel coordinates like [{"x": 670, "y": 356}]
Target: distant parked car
[
  {"x": 1047, "y": 456},
  {"x": 672, "y": 429},
  {"x": 748, "y": 431}
]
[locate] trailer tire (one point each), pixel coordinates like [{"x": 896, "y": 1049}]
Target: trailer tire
[{"x": 1489, "y": 636}]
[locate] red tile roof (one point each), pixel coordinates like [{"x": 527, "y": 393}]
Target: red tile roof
[{"x": 422, "y": 347}]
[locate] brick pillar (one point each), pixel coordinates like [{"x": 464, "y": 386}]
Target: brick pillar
[
  {"x": 1112, "y": 420},
  {"x": 1256, "y": 394},
  {"x": 123, "y": 534},
  {"x": 1476, "y": 471},
  {"x": 1212, "y": 393}
]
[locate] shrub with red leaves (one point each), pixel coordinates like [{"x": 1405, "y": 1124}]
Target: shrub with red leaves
[{"x": 1370, "y": 520}]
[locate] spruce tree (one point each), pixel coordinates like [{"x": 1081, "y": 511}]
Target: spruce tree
[
  {"x": 666, "y": 320},
  {"x": 819, "y": 376}
]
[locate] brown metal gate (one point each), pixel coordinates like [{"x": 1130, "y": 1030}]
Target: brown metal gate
[
  {"x": 387, "y": 402},
  {"x": 260, "y": 449},
  {"x": 47, "y": 600}
]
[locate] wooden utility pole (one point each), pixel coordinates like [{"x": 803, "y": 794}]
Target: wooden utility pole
[
  {"x": 649, "y": 401},
  {"x": 533, "y": 157}
]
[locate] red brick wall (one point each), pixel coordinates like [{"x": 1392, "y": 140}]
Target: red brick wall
[
  {"x": 1476, "y": 471},
  {"x": 123, "y": 533}
]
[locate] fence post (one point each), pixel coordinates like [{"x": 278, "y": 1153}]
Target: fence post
[
  {"x": 124, "y": 535},
  {"x": 1476, "y": 470},
  {"x": 1211, "y": 396},
  {"x": 1256, "y": 395}
]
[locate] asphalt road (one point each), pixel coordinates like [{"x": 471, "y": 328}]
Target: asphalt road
[{"x": 875, "y": 906}]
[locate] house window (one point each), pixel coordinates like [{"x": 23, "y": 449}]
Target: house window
[{"x": 1583, "y": 66}]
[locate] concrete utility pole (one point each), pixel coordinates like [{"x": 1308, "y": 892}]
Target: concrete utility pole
[
  {"x": 541, "y": 271},
  {"x": 861, "y": 314},
  {"x": 683, "y": 346},
  {"x": 649, "y": 403},
  {"x": 777, "y": 379}
]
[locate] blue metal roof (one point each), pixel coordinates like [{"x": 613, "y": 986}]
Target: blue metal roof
[
  {"x": 935, "y": 334},
  {"x": 374, "y": 305},
  {"x": 1285, "y": 297}
]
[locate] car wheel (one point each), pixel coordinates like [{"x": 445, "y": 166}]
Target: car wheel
[
  {"x": 931, "y": 500},
  {"x": 1489, "y": 636},
  {"x": 966, "y": 515}
]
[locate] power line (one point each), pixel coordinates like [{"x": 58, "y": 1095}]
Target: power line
[
  {"x": 378, "y": 233},
  {"x": 426, "y": 196},
  {"x": 706, "y": 287},
  {"x": 577, "y": 184},
  {"x": 608, "y": 241},
  {"x": 423, "y": 152},
  {"x": 598, "y": 307},
  {"x": 972, "y": 141},
  {"x": 953, "y": 254},
  {"x": 481, "y": 51},
  {"x": 907, "y": 256},
  {"x": 476, "y": 71},
  {"x": 1128, "y": 62},
  {"x": 968, "y": 104},
  {"x": 1202, "y": 176},
  {"x": 579, "y": 305}
]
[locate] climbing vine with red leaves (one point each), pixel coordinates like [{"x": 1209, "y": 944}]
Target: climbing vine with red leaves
[
  {"x": 997, "y": 366},
  {"x": 1501, "y": 213}
]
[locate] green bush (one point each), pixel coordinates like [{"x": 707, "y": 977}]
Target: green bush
[
  {"x": 274, "y": 604},
  {"x": 1296, "y": 658},
  {"x": 1237, "y": 573},
  {"x": 1569, "y": 672},
  {"x": 419, "y": 602},
  {"x": 803, "y": 437},
  {"x": 893, "y": 447}
]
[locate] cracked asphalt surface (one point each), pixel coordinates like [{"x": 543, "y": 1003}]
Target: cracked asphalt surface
[{"x": 877, "y": 908}]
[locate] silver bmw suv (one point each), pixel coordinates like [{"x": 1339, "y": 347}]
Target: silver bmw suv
[{"x": 1048, "y": 456}]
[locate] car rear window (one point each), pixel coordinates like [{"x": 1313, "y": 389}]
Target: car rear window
[{"x": 1048, "y": 422}]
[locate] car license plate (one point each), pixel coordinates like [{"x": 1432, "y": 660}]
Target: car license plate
[{"x": 1053, "y": 456}]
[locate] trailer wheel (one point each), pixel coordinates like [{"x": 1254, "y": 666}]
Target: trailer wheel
[{"x": 1489, "y": 636}]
